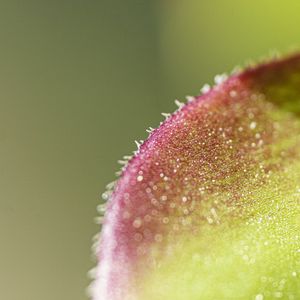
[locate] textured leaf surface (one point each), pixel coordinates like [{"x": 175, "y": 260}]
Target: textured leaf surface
[{"x": 209, "y": 207}]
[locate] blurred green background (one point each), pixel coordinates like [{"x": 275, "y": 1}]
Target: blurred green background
[{"x": 80, "y": 81}]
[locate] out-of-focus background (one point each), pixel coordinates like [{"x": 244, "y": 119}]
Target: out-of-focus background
[{"x": 79, "y": 82}]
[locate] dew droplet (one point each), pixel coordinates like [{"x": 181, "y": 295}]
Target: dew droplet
[
  {"x": 158, "y": 237},
  {"x": 259, "y": 297},
  {"x": 205, "y": 88},
  {"x": 140, "y": 178},
  {"x": 233, "y": 93},
  {"x": 165, "y": 220},
  {"x": 137, "y": 223},
  {"x": 252, "y": 125},
  {"x": 163, "y": 197},
  {"x": 220, "y": 78},
  {"x": 138, "y": 237}
]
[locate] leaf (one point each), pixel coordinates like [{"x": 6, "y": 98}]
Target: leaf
[{"x": 209, "y": 207}]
